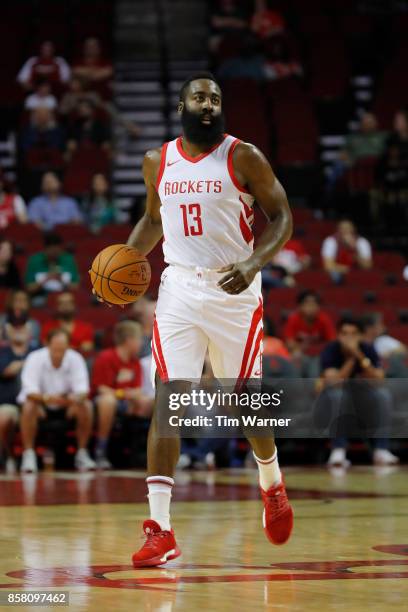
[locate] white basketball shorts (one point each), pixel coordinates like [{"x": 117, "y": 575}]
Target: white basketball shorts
[{"x": 194, "y": 315}]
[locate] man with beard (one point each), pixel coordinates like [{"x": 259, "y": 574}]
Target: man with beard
[
  {"x": 81, "y": 333},
  {"x": 200, "y": 191}
]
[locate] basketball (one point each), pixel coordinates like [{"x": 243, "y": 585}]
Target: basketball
[{"x": 120, "y": 274}]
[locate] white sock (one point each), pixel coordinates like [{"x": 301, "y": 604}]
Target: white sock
[
  {"x": 159, "y": 499},
  {"x": 269, "y": 472}
]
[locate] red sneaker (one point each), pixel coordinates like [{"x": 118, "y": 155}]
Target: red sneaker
[
  {"x": 277, "y": 516},
  {"x": 160, "y": 546}
]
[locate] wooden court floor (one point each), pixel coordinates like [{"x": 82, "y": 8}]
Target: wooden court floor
[{"x": 349, "y": 549}]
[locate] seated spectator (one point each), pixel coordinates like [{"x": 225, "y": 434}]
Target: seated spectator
[
  {"x": 8, "y": 423},
  {"x": 52, "y": 269},
  {"x": 368, "y": 142},
  {"x": 308, "y": 326},
  {"x": 52, "y": 208},
  {"x": 249, "y": 64},
  {"x": 41, "y": 98},
  {"x": 279, "y": 63},
  {"x": 12, "y": 206},
  {"x": 293, "y": 257},
  {"x": 81, "y": 334},
  {"x": 93, "y": 68},
  {"x": 87, "y": 129},
  {"x": 46, "y": 66},
  {"x": 42, "y": 132},
  {"x": 346, "y": 359},
  {"x": 98, "y": 207},
  {"x": 117, "y": 382},
  {"x": 227, "y": 17},
  {"x": 345, "y": 250},
  {"x": 142, "y": 311},
  {"x": 55, "y": 384},
  {"x": 399, "y": 136},
  {"x": 390, "y": 198},
  {"x": 9, "y": 272},
  {"x": 266, "y": 21},
  {"x": 11, "y": 362},
  {"x": 272, "y": 345},
  {"x": 374, "y": 332},
  {"x": 17, "y": 319},
  {"x": 76, "y": 93}
]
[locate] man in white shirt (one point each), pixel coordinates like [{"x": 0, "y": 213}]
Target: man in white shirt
[
  {"x": 345, "y": 250},
  {"x": 55, "y": 379}
]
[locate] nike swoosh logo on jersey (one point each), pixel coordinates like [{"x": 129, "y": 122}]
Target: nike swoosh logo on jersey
[{"x": 169, "y": 163}]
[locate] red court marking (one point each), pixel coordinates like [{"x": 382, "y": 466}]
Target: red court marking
[
  {"x": 94, "y": 575},
  {"x": 46, "y": 490}
]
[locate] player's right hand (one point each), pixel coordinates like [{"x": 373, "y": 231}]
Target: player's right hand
[{"x": 98, "y": 297}]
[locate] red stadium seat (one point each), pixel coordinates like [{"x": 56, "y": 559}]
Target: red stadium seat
[
  {"x": 343, "y": 297},
  {"x": 396, "y": 296},
  {"x": 400, "y": 332},
  {"x": 86, "y": 162},
  {"x": 313, "y": 279},
  {"x": 365, "y": 279}
]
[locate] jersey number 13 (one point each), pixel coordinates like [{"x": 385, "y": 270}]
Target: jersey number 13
[{"x": 192, "y": 219}]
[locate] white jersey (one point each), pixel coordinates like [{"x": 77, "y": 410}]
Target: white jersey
[{"x": 206, "y": 214}]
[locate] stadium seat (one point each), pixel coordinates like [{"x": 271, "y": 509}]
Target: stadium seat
[
  {"x": 313, "y": 279},
  {"x": 85, "y": 162}
]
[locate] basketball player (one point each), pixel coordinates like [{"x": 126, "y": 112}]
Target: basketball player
[{"x": 200, "y": 192}]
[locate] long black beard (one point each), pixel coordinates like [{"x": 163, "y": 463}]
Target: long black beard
[{"x": 199, "y": 133}]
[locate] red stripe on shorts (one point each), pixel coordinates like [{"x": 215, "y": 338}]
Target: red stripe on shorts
[
  {"x": 255, "y": 353},
  {"x": 159, "y": 358},
  {"x": 256, "y": 317}
]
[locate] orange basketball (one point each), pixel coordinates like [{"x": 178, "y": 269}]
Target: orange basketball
[{"x": 120, "y": 274}]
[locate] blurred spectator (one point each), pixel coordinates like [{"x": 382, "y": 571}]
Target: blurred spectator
[
  {"x": 42, "y": 132},
  {"x": 52, "y": 208},
  {"x": 76, "y": 93},
  {"x": 142, "y": 312},
  {"x": 279, "y": 63},
  {"x": 308, "y": 326},
  {"x": 99, "y": 207},
  {"x": 41, "y": 98},
  {"x": 117, "y": 383},
  {"x": 345, "y": 250},
  {"x": 293, "y": 257},
  {"x": 389, "y": 201},
  {"x": 12, "y": 206},
  {"x": 368, "y": 142},
  {"x": 93, "y": 68},
  {"x": 9, "y": 273},
  {"x": 227, "y": 17},
  {"x": 55, "y": 384},
  {"x": 399, "y": 136},
  {"x": 266, "y": 21},
  {"x": 11, "y": 362},
  {"x": 46, "y": 66},
  {"x": 349, "y": 358},
  {"x": 87, "y": 129},
  {"x": 81, "y": 334},
  {"x": 16, "y": 318},
  {"x": 374, "y": 332},
  {"x": 8, "y": 424},
  {"x": 248, "y": 64},
  {"x": 52, "y": 269},
  {"x": 272, "y": 345}
]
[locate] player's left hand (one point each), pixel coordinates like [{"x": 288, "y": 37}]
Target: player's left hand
[{"x": 239, "y": 277}]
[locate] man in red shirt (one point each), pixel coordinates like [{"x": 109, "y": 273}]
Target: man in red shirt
[
  {"x": 308, "y": 326},
  {"x": 117, "y": 379},
  {"x": 81, "y": 333}
]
